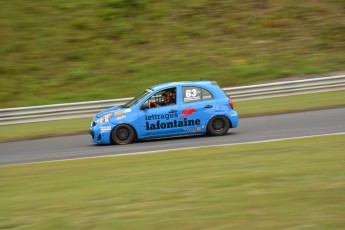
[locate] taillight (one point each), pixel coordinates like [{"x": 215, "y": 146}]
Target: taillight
[{"x": 231, "y": 104}]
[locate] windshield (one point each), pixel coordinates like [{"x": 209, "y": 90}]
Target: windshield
[{"x": 137, "y": 98}]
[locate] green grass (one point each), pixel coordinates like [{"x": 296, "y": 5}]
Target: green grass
[
  {"x": 245, "y": 109},
  {"x": 295, "y": 184},
  {"x": 291, "y": 103},
  {"x": 63, "y": 51},
  {"x": 44, "y": 129}
]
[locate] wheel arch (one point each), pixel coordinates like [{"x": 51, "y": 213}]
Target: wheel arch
[
  {"x": 217, "y": 115},
  {"x": 135, "y": 131}
]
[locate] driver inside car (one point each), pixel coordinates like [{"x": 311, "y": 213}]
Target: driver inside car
[{"x": 167, "y": 98}]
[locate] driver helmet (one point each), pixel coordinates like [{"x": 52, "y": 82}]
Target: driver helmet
[{"x": 169, "y": 97}]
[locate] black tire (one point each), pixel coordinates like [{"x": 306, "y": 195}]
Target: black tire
[
  {"x": 122, "y": 134},
  {"x": 218, "y": 126}
]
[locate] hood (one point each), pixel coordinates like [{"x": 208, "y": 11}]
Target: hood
[{"x": 109, "y": 110}]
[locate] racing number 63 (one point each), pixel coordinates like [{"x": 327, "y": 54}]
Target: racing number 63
[{"x": 191, "y": 93}]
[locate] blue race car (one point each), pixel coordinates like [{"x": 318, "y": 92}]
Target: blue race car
[{"x": 171, "y": 109}]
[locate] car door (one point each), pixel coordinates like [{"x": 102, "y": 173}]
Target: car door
[
  {"x": 197, "y": 107},
  {"x": 158, "y": 117}
]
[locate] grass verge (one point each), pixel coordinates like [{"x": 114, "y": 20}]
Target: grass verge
[
  {"x": 291, "y": 103},
  {"x": 245, "y": 109},
  {"x": 294, "y": 184}
]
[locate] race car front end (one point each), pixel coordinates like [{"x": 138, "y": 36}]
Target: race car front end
[
  {"x": 105, "y": 121},
  {"x": 100, "y": 129}
]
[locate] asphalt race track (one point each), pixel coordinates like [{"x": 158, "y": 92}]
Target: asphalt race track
[{"x": 250, "y": 129}]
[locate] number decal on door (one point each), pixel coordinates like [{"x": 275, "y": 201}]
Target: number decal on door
[{"x": 191, "y": 93}]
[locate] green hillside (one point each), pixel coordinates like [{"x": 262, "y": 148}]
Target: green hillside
[{"x": 63, "y": 51}]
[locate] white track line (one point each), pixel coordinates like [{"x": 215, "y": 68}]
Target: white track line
[{"x": 177, "y": 149}]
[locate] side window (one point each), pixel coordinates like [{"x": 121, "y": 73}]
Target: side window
[
  {"x": 191, "y": 94},
  {"x": 206, "y": 95},
  {"x": 162, "y": 98}
]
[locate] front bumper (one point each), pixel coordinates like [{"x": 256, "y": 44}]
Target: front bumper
[{"x": 100, "y": 133}]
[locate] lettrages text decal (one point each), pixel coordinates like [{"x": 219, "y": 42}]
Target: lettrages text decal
[{"x": 169, "y": 120}]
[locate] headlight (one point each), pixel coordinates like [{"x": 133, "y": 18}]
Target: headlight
[{"x": 105, "y": 118}]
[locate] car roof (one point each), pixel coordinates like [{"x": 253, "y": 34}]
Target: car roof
[{"x": 183, "y": 83}]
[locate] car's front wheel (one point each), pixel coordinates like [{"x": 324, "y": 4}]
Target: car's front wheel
[
  {"x": 218, "y": 125},
  {"x": 123, "y": 134}
]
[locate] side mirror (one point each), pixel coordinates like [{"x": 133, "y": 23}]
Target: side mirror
[{"x": 145, "y": 106}]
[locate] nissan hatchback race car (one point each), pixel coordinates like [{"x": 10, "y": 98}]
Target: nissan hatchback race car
[{"x": 171, "y": 109}]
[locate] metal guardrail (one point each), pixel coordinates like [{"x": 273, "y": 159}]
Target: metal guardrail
[
  {"x": 287, "y": 88},
  {"x": 89, "y": 108}
]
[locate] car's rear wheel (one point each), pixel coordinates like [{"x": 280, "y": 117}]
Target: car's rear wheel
[
  {"x": 218, "y": 125},
  {"x": 123, "y": 134}
]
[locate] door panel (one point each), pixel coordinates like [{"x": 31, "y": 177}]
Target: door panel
[
  {"x": 195, "y": 116},
  {"x": 160, "y": 118},
  {"x": 197, "y": 107},
  {"x": 162, "y": 121}
]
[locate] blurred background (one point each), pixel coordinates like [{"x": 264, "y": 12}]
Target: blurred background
[
  {"x": 61, "y": 51},
  {"x": 66, "y": 51}
]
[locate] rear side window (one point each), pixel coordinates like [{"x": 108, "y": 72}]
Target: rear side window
[{"x": 192, "y": 94}]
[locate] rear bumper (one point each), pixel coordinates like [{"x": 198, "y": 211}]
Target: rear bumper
[{"x": 234, "y": 119}]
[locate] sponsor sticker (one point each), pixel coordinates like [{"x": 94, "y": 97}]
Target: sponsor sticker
[
  {"x": 170, "y": 120},
  {"x": 192, "y": 94},
  {"x": 192, "y": 129},
  {"x": 189, "y": 99},
  {"x": 188, "y": 111},
  {"x": 122, "y": 112},
  {"x": 119, "y": 112},
  {"x": 105, "y": 128},
  {"x": 120, "y": 117},
  {"x": 158, "y": 124}
]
